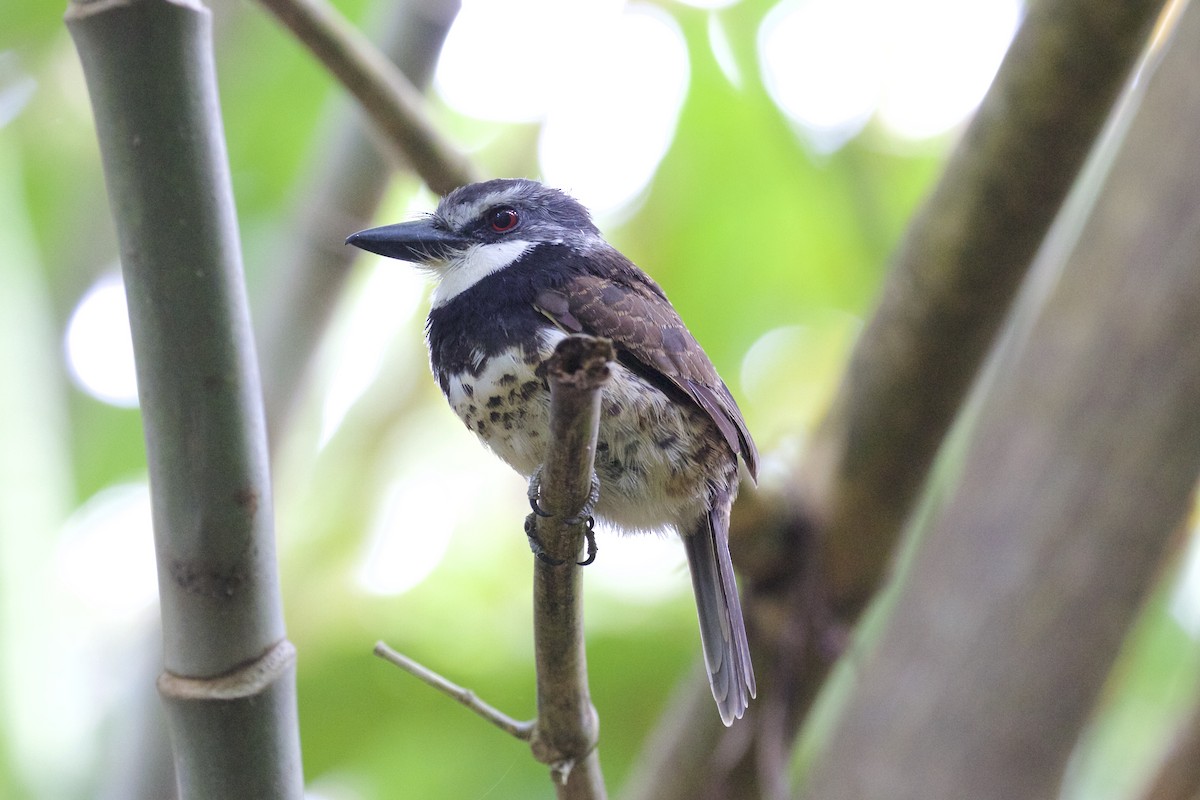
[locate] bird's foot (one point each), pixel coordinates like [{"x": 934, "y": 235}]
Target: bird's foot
[
  {"x": 585, "y": 514},
  {"x": 589, "y": 534},
  {"x": 583, "y": 517},
  {"x": 535, "y": 544},
  {"x": 534, "y": 491}
]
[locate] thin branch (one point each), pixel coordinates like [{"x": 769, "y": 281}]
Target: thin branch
[
  {"x": 567, "y": 727},
  {"x": 229, "y": 680},
  {"x": 385, "y": 94},
  {"x": 348, "y": 182},
  {"x": 521, "y": 730},
  {"x": 1078, "y": 463},
  {"x": 566, "y": 730}
]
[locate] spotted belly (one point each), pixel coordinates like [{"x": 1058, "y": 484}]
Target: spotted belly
[
  {"x": 659, "y": 462},
  {"x": 507, "y": 405}
]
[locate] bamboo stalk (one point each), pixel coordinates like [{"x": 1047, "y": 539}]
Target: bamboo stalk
[{"x": 228, "y": 681}]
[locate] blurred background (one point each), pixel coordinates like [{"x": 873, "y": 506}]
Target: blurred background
[{"x": 758, "y": 158}]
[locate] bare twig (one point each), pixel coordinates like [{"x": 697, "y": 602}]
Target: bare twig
[
  {"x": 229, "y": 672},
  {"x": 567, "y": 727},
  {"x": 566, "y": 730},
  {"x": 521, "y": 730},
  {"x": 387, "y": 96}
]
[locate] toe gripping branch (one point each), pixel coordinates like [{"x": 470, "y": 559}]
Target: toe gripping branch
[
  {"x": 582, "y": 517},
  {"x": 563, "y": 491}
]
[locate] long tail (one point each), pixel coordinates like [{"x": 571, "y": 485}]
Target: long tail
[{"x": 722, "y": 632}]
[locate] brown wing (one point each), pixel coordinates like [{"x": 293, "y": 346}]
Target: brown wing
[{"x": 651, "y": 340}]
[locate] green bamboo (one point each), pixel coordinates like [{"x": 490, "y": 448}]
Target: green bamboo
[{"x": 228, "y": 680}]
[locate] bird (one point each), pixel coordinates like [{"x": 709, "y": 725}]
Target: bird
[{"x": 517, "y": 266}]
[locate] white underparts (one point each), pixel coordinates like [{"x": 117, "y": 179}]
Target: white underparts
[
  {"x": 652, "y": 460},
  {"x": 457, "y": 275}
]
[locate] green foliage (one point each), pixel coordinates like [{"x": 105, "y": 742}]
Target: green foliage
[
  {"x": 747, "y": 229},
  {"x": 1152, "y": 686}
]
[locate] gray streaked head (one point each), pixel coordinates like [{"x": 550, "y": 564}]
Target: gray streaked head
[
  {"x": 481, "y": 228},
  {"x": 477, "y": 212}
]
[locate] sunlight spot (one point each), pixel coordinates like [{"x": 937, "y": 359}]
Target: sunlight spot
[
  {"x": 821, "y": 67},
  {"x": 510, "y": 61},
  {"x": 944, "y": 56},
  {"x": 1185, "y": 598},
  {"x": 105, "y": 556},
  {"x": 334, "y": 786},
  {"x": 639, "y": 566},
  {"x": 17, "y": 87},
  {"x": 374, "y": 314},
  {"x": 922, "y": 66},
  {"x": 722, "y": 50},
  {"x": 790, "y": 374},
  {"x": 709, "y": 4},
  {"x": 411, "y": 533},
  {"x": 604, "y": 143},
  {"x": 607, "y": 81},
  {"x": 99, "y": 345},
  {"x": 822, "y": 63}
]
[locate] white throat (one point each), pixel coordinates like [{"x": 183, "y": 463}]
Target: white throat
[{"x": 479, "y": 261}]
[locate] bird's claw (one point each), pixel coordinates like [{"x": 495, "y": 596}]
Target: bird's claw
[
  {"x": 590, "y": 536},
  {"x": 534, "y": 490},
  {"x": 583, "y": 517},
  {"x": 535, "y": 544}
]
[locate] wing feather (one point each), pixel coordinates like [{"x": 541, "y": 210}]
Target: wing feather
[{"x": 651, "y": 339}]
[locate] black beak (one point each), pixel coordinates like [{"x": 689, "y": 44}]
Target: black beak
[{"x": 417, "y": 241}]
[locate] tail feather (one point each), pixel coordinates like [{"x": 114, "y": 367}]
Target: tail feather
[{"x": 722, "y": 632}]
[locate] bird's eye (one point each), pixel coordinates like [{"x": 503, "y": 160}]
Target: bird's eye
[{"x": 503, "y": 220}]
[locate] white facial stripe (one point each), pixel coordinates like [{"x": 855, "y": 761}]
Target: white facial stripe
[
  {"x": 456, "y": 276},
  {"x": 461, "y": 215}
]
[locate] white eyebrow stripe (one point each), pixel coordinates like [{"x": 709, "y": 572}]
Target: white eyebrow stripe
[
  {"x": 461, "y": 215},
  {"x": 479, "y": 261}
]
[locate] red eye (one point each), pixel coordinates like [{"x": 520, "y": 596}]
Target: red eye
[{"x": 503, "y": 220}]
